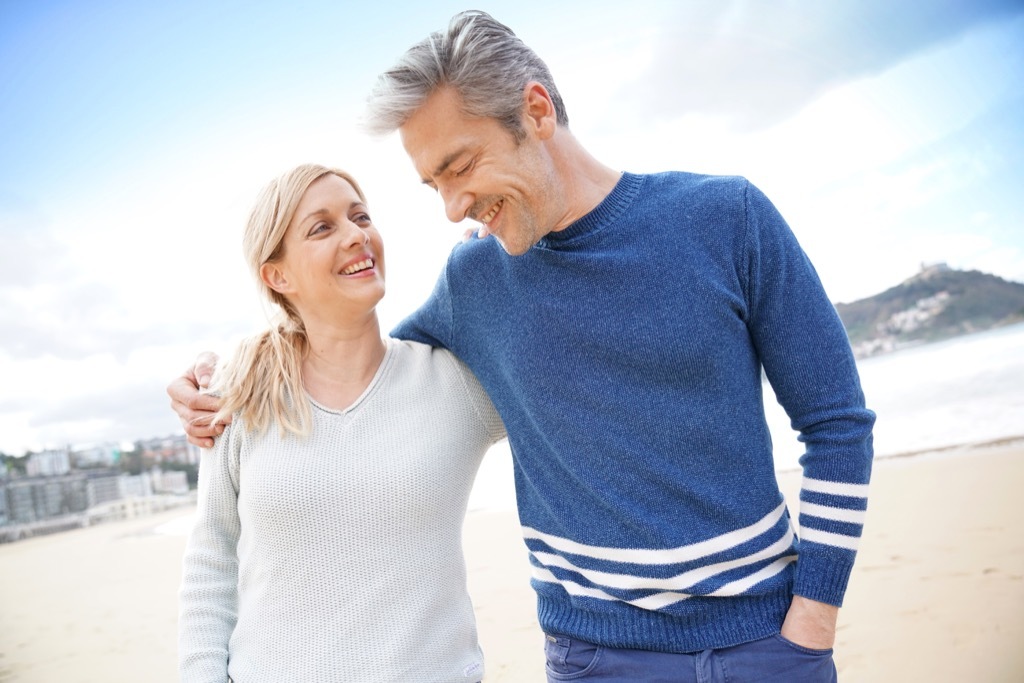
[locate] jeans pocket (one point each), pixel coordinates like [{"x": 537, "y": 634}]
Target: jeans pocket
[
  {"x": 800, "y": 648},
  {"x": 774, "y": 659},
  {"x": 568, "y": 658}
]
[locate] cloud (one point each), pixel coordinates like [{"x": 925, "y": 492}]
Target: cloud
[
  {"x": 31, "y": 251},
  {"x": 77, "y": 320},
  {"x": 756, "y": 63},
  {"x": 128, "y": 403},
  {"x": 27, "y": 338},
  {"x": 135, "y": 410}
]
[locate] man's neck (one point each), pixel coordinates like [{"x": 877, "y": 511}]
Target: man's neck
[{"x": 585, "y": 180}]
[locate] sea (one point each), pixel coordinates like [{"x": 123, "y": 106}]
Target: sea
[{"x": 965, "y": 390}]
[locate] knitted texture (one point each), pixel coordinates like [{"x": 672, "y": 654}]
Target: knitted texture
[
  {"x": 338, "y": 557},
  {"x": 625, "y": 355}
]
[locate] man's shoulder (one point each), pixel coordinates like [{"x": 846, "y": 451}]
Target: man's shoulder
[
  {"x": 695, "y": 197},
  {"x": 700, "y": 183},
  {"x": 475, "y": 256}
]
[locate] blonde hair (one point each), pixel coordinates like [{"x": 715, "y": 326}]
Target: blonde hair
[{"x": 262, "y": 382}]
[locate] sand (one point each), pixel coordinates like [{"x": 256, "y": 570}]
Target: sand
[{"x": 937, "y": 594}]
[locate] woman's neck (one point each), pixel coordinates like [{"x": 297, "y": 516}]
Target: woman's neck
[{"x": 342, "y": 361}]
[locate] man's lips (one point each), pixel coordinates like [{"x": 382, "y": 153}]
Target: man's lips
[{"x": 486, "y": 219}]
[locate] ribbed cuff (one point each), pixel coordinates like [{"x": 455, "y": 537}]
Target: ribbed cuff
[{"x": 823, "y": 573}]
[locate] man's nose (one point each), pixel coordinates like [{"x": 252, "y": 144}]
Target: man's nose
[{"x": 456, "y": 204}]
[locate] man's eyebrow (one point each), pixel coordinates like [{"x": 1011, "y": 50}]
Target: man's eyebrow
[{"x": 443, "y": 166}]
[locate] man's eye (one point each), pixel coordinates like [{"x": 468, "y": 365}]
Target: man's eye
[{"x": 464, "y": 170}]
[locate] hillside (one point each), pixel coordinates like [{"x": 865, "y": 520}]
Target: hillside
[{"x": 937, "y": 303}]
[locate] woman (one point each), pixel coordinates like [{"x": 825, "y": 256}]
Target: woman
[{"x": 327, "y": 545}]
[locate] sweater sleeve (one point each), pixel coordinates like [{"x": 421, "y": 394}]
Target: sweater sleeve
[
  {"x": 208, "y": 599},
  {"x": 482, "y": 404},
  {"x": 807, "y": 358},
  {"x": 432, "y": 323}
]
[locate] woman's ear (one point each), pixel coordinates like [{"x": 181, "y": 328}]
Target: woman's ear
[{"x": 273, "y": 276}]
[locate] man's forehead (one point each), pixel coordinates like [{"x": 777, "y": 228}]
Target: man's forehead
[{"x": 433, "y": 149}]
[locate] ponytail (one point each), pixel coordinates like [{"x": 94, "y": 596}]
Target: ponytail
[{"x": 262, "y": 382}]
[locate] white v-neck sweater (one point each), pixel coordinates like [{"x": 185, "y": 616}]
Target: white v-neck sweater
[{"x": 338, "y": 557}]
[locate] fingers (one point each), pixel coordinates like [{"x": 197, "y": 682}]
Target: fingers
[
  {"x": 194, "y": 408},
  {"x": 197, "y": 413},
  {"x": 202, "y": 370},
  {"x": 180, "y": 390},
  {"x": 468, "y": 235},
  {"x": 197, "y": 426},
  {"x": 201, "y": 443},
  {"x": 203, "y": 403},
  {"x": 200, "y": 427}
]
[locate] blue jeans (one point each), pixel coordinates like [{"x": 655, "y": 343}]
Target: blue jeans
[{"x": 769, "y": 660}]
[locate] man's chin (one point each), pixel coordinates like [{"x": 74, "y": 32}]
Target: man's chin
[
  {"x": 513, "y": 249},
  {"x": 516, "y": 248}
]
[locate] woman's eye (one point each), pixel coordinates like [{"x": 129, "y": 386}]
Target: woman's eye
[
  {"x": 318, "y": 228},
  {"x": 362, "y": 218}
]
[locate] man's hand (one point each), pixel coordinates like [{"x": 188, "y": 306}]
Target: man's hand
[
  {"x": 810, "y": 623},
  {"x": 193, "y": 408}
]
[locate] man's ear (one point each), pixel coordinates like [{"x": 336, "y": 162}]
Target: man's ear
[
  {"x": 539, "y": 111},
  {"x": 273, "y": 276}
]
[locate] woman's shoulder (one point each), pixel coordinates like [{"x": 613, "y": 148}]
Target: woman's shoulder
[
  {"x": 414, "y": 359},
  {"x": 418, "y": 352},
  {"x": 436, "y": 372}
]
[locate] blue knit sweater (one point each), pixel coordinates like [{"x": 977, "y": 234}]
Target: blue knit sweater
[{"x": 624, "y": 354}]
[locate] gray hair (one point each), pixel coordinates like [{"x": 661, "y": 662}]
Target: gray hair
[{"x": 481, "y": 58}]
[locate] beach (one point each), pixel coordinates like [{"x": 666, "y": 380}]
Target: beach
[{"x": 937, "y": 593}]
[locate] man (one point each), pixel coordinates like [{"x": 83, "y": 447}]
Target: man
[{"x": 620, "y": 324}]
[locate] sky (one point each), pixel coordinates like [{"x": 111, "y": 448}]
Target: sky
[{"x": 135, "y": 136}]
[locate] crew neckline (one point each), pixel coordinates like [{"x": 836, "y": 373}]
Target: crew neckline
[{"x": 604, "y": 214}]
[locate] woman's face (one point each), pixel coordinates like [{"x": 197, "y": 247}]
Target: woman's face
[{"x": 333, "y": 261}]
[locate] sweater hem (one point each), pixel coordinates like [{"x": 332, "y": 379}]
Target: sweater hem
[{"x": 711, "y": 623}]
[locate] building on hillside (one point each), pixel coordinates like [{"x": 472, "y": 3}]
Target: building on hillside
[
  {"x": 99, "y": 455},
  {"x": 171, "y": 481},
  {"x": 31, "y": 499},
  {"x": 136, "y": 485},
  {"x": 50, "y": 463},
  {"x": 170, "y": 449},
  {"x": 103, "y": 487}
]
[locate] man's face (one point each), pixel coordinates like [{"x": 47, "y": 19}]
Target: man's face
[{"x": 482, "y": 173}]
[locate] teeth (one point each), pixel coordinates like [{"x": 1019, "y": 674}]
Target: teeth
[
  {"x": 490, "y": 214},
  {"x": 356, "y": 267}
]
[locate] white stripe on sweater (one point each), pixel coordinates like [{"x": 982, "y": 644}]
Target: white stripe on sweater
[
  {"x": 678, "y": 555},
  {"x": 740, "y": 586},
  {"x": 675, "y": 583},
  {"x": 829, "y": 538},
  {"x": 828, "y": 512},
  {"x": 667, "y": 598},
  {"x": 835, "y": 488}
]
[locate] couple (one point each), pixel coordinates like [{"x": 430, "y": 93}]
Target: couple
[{"x": 619, "y": 323}]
